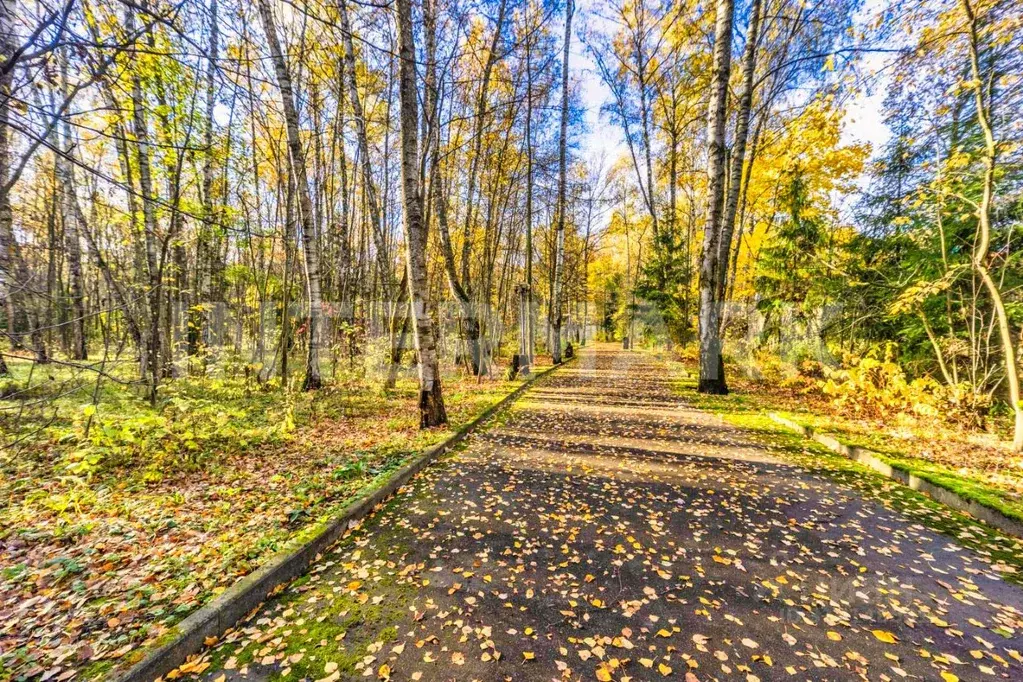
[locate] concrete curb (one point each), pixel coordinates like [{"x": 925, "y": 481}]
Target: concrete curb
[
  {"x": 875, "y": 461},
  {"x": 234, "y": 604}
]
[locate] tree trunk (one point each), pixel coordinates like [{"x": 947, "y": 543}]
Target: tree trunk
[
  {"x": 397, "y": 350},
  {"x": 205, "y": 292},
  {"x": 15, "y": 278},
  {"x": 468, "y": 319},
  {"x": 431, "y": 400},
  {"x": 309, "y": 243},
  {"x": 151, "y": 366},
  {"x": 369, "y": 186},
  {"x": 479, "y": 124},
  {"x": 529, "y": 319},
  {"x": 642, "y": 79},
  {"x": 559, "y": 244},
  {"x": 712, "y": 370},
  {"x": 983, "y": 244},
  {"x": 72, "y": 240},
  {"x": 738, "y": 156}
]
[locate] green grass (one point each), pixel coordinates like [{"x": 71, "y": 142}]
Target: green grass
[
  {"x": 966, "y": 486},
  {"x": 1004, "y": 551}
]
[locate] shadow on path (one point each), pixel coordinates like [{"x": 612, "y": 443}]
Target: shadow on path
[{"x": 606, "y": 531}]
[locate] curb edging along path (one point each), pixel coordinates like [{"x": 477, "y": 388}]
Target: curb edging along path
[
  {"x": 875, "y": 461},
  {"x": 235, "y": 603}
]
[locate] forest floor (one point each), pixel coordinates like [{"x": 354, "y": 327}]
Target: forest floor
[
  {"x": 109, "y": 539},
  {"x": 604, "y": 528}
]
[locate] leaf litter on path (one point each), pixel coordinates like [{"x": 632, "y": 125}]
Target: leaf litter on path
[{"x": 604, "y": 531}]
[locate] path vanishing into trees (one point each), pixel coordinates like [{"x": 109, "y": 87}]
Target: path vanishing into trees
[{"x": 601, "y": 529}]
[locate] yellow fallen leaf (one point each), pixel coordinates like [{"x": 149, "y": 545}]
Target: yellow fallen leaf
[
  {"x": 528, "y": 656},
  {"x": 384, "y": 672},
  {"x": 834, "y": 636},
  {"x": 948, "y": 677},
  {"x": 664, "y": 669},
  {"x": 885, "y": 636}
]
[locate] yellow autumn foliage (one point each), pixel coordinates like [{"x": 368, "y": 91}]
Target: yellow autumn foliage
[{"x": 877, "y": 387}]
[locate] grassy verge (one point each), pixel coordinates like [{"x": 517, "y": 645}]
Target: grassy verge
[
  {"x": 971, "y": 464},
  {"x": 323, "y": 619},
  {"x": 124, "y": 517},
  {"x": 961, "y": 481},
  {"x": 1004, "y": 552}
]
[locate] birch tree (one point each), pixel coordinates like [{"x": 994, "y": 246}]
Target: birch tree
[
  {"x": 712, "y": 369},
  {"x": 557, "y": 261},
  {"x": 310, "y": 246},
  {"x": 431, "y": 398}
]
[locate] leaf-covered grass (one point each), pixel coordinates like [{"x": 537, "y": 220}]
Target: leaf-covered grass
[
  {"x": 745, "y": 410},
  {"x": 121, "y": 518},
  {"x": 356, "y": 612}
]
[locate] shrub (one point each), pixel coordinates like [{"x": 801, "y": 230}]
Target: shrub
[
  {"x": 876, "y": 386},
  {"x": 181, "y": 434}
]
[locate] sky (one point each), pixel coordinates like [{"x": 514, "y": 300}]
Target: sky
[
  {"x": 601, "y": 136},
  {"x": 863, "y": 120}
]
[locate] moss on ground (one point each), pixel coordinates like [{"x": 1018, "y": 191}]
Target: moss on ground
[{"x": 341, "y": 626}]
